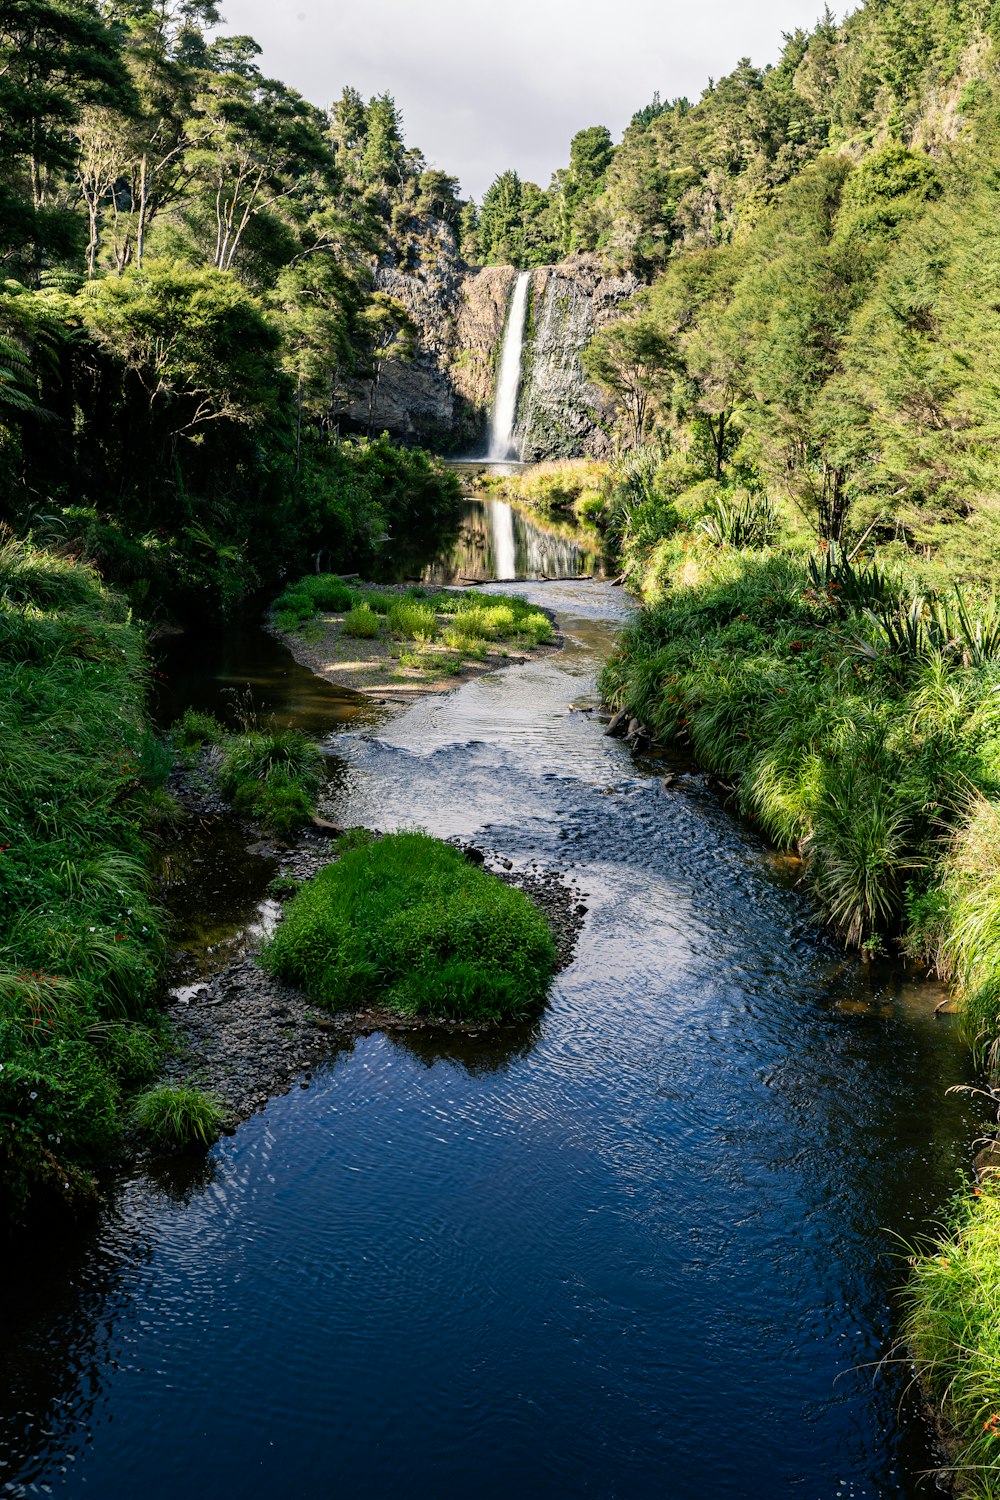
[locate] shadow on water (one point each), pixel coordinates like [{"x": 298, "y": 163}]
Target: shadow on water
[
  {"x": 648, "y": 1245},
  {"x": 217, "y": 670}
]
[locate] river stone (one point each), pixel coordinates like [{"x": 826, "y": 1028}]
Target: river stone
[{"x": 988, "y": 1161}]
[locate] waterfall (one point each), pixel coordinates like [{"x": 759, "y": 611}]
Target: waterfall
[{"x": 509, "y": 378}]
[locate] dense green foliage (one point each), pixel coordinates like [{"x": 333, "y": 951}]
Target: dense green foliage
[
  {"x": 176, "y": 1115},
  {"x": 407, "y": 923},
  {"x": 700, "y": 175},
  {"x": 188, "y": 307},
  {"x": 80, "y": 943},
  {"x": 953, "y": 1328}
]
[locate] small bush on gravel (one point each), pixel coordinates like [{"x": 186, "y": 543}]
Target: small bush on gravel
[
  {"x": 411, "y": 620},
  {"x": 174, "y": 1115},
  {"x": 408, "y": 923},
  {"x": 362, "y": 623},
  {"x": 194, "y": 729},
  {"x": 272, "y": 777}
]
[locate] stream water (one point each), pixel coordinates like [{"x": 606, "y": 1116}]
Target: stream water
[{"x": 646, "y": 1246}]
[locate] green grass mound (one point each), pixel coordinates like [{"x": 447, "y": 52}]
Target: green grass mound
[
  {"x": 406, "y": 922},
  {"x": 175, "y": 1115},
  {"x": 953, "y": 1329}
]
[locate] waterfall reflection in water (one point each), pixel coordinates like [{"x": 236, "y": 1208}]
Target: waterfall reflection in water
[{"x": 499, "y": 540}]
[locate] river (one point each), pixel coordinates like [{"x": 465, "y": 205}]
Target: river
[{"x": 647, "y": 1246}]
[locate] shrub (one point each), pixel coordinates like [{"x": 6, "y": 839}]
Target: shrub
[
  {"x": 272, "y": 776},
  {"x": 411, "y": 620},
  {"x": 194, "y": 729},
  {"x": 751, "y": 522},
  {"x": 328, "y": 591},
  {"x": 362, "y": 623},
  {"x": 407, "y": 922},
  {"x": 175, "y": 1115}
]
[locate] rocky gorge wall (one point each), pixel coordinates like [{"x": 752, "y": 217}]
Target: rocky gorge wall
[
  {"x": 561, "y": 414},
  {"x": 443, "y": 397}
]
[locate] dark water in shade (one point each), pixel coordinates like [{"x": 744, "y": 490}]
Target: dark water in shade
[{"x": 644, "y": 1247}]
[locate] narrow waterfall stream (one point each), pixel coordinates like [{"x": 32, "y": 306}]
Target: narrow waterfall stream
[
  {"x": 645, "y": 1245},
  {"x": 501, "y": 444}
]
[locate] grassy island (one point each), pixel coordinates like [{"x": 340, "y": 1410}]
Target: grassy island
[
  {"x": 406, "y": 923},
  {"x": 400, "y": 640}
]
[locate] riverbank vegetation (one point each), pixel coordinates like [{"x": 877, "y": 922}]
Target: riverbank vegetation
[
  {"x": 806, "y": 493},
  {"x": 270, "y": 775},
  {"x": 405, "y": 922},
  {"x": 953, "y": 1328},
  {"x": 565, "y": 489},
  {"x": 81, "y": 778}
]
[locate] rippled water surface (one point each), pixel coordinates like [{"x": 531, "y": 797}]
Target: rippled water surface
[{"x": 644, "y": 1247}]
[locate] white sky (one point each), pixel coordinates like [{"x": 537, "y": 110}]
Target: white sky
[{"x": 483, "y": 87}]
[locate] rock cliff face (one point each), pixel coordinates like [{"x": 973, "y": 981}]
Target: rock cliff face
[
  {"x": 560, "y": 413},
  {"x": 443, "y": 397}
]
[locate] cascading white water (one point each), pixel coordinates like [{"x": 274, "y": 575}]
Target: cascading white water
[{"x": 501, "y": 445}]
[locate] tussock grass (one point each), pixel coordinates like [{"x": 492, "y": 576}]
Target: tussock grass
[
  {"x": 953, "y": 1329},
  {"x": 176, "y": 1115},
  {"x": 272, "y": 776},
  {"x": 407, "y": 923},
  {"x": 80, "y": 940}
]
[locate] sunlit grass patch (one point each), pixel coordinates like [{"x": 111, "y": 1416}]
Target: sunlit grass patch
[
  {"x": 406, "y": 922},
  {"x": 953, "y": 1330}
]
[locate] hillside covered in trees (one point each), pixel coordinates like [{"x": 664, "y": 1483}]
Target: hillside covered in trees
[{"x": 187, "y": 256}]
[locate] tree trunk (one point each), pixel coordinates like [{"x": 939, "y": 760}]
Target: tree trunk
[{"x": 140, "y": 234}]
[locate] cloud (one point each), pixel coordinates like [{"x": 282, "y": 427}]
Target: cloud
[{"x": 486, "y": 88}]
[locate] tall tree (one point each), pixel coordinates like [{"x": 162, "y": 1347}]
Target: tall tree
[{"x": 56, "y": 58}]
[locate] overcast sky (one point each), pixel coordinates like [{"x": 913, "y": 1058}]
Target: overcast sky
[{"x": 486, "y": 86}]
